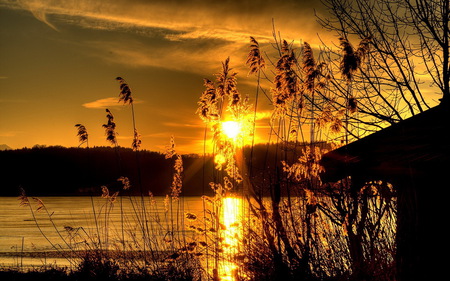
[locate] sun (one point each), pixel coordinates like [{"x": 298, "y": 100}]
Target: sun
[{"x": 231, "y": 129}]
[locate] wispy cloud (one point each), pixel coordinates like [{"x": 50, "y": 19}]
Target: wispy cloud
[
  {"x": 199, "y": 56},
  {"x": 173, "y": 124},
  {"x": 182, "y": 33},
  {"x": 102, "y": 103},
  {"x": 263, "y": 114},
  {"x": 105, "y": 103},
  {"x": 185, "y": 16}
]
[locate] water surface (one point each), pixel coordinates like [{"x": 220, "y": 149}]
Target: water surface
[{"x": 26, "y": 230}]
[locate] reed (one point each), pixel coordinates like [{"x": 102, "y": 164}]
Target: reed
[
  {"x": 82, "y": 134},
  {"x": 291, "y": 225},
  {"x": 303, "y": 227}
]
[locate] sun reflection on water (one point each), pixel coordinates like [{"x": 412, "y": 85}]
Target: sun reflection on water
[{"x": 231, "y": 236}]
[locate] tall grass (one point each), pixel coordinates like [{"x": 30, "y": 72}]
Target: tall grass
[
  {"x": 297, "y": 225},
  {"x": 292, "y": 226}
]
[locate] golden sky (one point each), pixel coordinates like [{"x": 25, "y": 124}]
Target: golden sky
[{"x": 59, "y": 61}]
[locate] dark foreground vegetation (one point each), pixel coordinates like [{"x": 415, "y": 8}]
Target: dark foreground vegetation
[
  {"x": 61, "y": 274},
  {"x": 98, "y": 265}
]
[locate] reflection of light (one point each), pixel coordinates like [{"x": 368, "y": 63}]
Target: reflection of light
[
  {"x": 232, "y": 235},
  {"x": 232, "y": 207},
  {"x": 231, "y": 129},
  {"x": 219, "y": 159}
]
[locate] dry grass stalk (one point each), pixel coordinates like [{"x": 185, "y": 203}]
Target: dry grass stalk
[
  {"x": 23, "y": 198},
  {"x": 330, "y": 120},
  {"x": 227, "y": 88},
  {"x": 207, "y": 105},
  {"x": 223, "y": 94},
  {"x": 110, "y": 128},
  {"x": 352, "y": 105},
  {"x": 308, "y": 166},
  {"x": 286, "y": 82},
  {"x": 125, "y": 182},
  {"x": 82, "y": 133},
  {"x": 226, "y": 80},
  {"x": 352, "y": 59},
  {"x": 254, "y": 59},
  {"x": 39, "y": 204},
  {"x": 309, "y": 67},
  {"x": 177, "y": 181},
  {"x": 125, "y": 92},
  {"x": 350, "y": 63},
  {"x": 136, "y": 141}
]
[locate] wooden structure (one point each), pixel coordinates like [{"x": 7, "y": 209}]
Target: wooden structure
[{"x": 414, "y": 156}]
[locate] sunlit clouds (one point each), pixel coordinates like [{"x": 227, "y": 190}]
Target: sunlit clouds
[
  {"x": 62, "y": 58},
  {"x": 106, "y": 102},
  {"x": 190, "y": 19},
  {"x": 102, "y": 103},
  {"x": 196, "y": 31}
]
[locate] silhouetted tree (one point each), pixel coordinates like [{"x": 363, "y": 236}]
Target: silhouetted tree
[{"x": 408, "y": 62}]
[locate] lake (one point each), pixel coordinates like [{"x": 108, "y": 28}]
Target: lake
[{"x": 66, "y": 221}]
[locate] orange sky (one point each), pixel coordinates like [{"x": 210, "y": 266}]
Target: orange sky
[{"x": 59, "y": 60}]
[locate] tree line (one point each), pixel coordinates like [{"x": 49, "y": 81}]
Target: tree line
[{"x": 57, "y": 171}]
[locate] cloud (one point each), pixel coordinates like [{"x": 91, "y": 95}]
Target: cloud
[
  {"x": 228, "y": 20},
  {"x": 105, "y": 103},
  {"x": 263, "y": 114},
  {"x": 37, "y": 8},
  {"x": 179, "y": 34},
  {"x": 102, "y": 103},
  {"x": 197, "y": 56},
  {"x": 174, "y": 124}
]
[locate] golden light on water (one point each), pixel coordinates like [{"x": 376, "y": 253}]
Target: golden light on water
[
  {"x": 231, "y": 129},
  {"x": 232, "y": 235}
]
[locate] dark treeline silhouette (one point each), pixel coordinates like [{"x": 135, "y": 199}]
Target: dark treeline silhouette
[{"x": 57, "y": 170}]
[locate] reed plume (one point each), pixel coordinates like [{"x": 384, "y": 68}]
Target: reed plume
[
  {"x": 363, "y": 49},
  {"x": 326, "y": 119},
  {"x": 24, "y": 201},
  {"x": 110, "y": 128},
  {"x": 82, "y": 134},
  {"x": 350, "y": 63},
  {"x": 125, "y": 182},
  {"x": 136, "y": 141},
  {"x": 286, "y": 81},
  {"x": 177, "y": 181},
  {"x": 219, "y": 95},
  {"x": 226, "y": 80},
  {"x": 170, "y": 149},
  {"x": 308, "y": 165},
  {"x": 309, "y": 67},
  {"x": 254, "y": 59},
  {"x": 105, "y": 192},
  {"x": 125, "y": 92},
  {"x": 207, "y": 105},
  {"x": 352, "y": 104},
  {"x": 352, "y": 58},
  {"x": 227, "y": 87},
  {"x": 39, "y": 204}
]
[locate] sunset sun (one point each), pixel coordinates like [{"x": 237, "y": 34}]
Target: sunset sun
[{"x": 231, "y": 129}]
